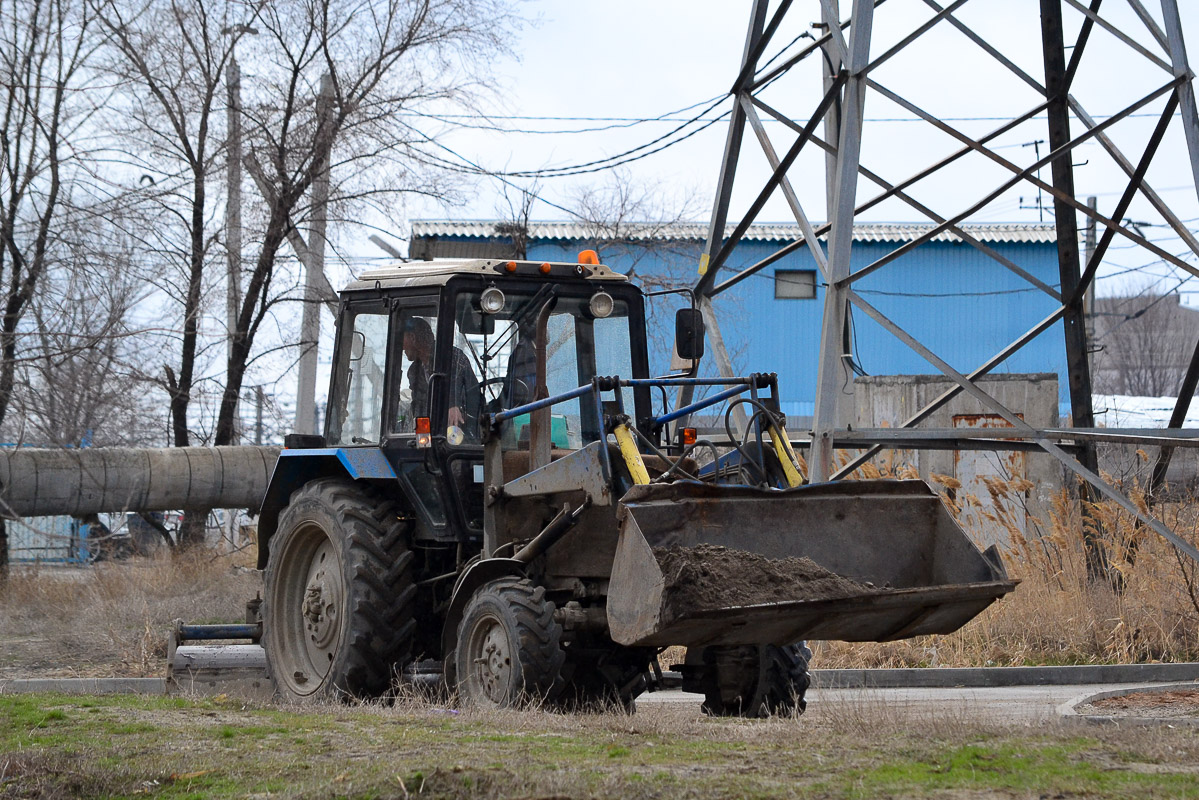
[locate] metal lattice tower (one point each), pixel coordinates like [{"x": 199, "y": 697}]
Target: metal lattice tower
[{"x": 852, "y": 76}]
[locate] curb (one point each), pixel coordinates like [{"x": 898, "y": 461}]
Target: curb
[
  {"x": 934, "y": 678},
  {"x": 1068, "y": 711},
  {"x": 1184, "y": 674}
]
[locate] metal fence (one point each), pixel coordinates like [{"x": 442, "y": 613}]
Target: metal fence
[{"x": 59, "y": 539}]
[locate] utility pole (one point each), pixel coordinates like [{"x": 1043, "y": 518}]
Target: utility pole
[
  {"x": 258, "y": 415},
  {"x": 233, "y": 215},
  {"x": 314, "y": 270},
  {"x": 233, "y": 158}
]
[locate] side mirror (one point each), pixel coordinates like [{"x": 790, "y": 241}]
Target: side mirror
[
  {"x": 689, "y": 333},
  {"x": 357, "y": 345}
]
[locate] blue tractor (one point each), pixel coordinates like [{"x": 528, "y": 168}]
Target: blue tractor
[{"x": 501, "y": 487}]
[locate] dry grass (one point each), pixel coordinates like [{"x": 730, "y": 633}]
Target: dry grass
[
  {"x": 1058, "y": 615},
  {"x": 112, "y": 618}
]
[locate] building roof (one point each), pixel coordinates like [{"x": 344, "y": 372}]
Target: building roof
[{"x": 762, "y": 232}]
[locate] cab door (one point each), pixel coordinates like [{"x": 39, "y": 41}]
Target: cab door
[{"x": 412, "y": 395}]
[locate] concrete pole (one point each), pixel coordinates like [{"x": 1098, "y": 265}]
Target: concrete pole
[
  {"x": 258, "y": 416},
  {"x": 314, "y": 270},
  {"x": 233, "y": 216}
]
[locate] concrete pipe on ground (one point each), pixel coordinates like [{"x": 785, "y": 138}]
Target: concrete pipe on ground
[{"x": 37, "y": 482}]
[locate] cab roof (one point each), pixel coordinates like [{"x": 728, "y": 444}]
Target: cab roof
[{"x": 438, "y": 271}]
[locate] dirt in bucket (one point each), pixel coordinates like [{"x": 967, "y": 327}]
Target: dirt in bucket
[{"x": 710, "y": 576}]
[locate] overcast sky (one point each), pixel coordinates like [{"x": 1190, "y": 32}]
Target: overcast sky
[
  {"x": 589, "y": 65},
  {"x": 603, "y": 66}
]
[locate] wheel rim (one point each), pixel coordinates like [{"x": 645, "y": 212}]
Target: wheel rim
[
  {"x": 490, "y": 652},
  {"x": 308, "y": 610}
]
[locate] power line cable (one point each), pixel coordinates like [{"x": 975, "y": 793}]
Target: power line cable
[{"x": 616, "y": 123}]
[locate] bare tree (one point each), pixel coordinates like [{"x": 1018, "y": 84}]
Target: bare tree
[
  {"x": 516, "y": 215},
  {"x": 640, "y": 223},
  {"x": 1144, "y": 343},
  {"x": 173, "y": 54},
  {"x": 44, "y": 47},
  {"x": 79, "y": 377},
  {"x": 381, "y": 57},
  {"x": 652, "y": 232}
]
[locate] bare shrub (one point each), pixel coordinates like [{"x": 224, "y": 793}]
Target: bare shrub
[{"x": 113, "y": 618}]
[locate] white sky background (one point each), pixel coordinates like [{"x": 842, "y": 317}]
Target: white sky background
[{"x": 623, "y": 60}]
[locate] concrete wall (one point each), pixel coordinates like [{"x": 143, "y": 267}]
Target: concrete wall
[{"x": 888, "y": 400}]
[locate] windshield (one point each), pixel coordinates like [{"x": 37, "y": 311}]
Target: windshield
[{"x": 502, "y": 352}]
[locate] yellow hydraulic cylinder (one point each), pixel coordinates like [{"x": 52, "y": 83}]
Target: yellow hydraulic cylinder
[
  {"x": 632, "y": 457},
  {"x": 782, "y": 449}
]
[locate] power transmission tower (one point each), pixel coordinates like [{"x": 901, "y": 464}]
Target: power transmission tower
[{"x": 851, "y": 76}]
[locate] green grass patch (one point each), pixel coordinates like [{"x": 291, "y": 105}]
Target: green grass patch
[{"x": 180, "y": 748}]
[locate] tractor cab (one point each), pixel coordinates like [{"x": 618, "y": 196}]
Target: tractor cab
[{"x": 425, "y": 352}]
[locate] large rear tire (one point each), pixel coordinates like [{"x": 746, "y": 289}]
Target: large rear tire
[
  {"x": 751, "y": 681},
  {"x": 509, "y": 646},
  {"x": 338, "y": 605}
]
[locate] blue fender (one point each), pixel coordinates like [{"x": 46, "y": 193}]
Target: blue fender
[{"x": 295, "y": 468}]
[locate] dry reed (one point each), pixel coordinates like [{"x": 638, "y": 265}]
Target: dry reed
[{"x": 1146, "y": 610}]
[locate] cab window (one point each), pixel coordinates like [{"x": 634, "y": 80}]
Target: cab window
[{"x": 356, "y": 408}]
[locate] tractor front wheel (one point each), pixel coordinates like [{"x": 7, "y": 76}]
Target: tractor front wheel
[
  {"x": 750, "y": 681},
  {"x": 338, "y": 610},
  {"x": 509, "y": 646}
]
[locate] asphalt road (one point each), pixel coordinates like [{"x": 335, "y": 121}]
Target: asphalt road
[{"x": 1019, "y": 704}]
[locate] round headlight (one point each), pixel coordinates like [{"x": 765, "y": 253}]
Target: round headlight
[
  {"x": 491, "y": 301},
  {"x": 601, "y": 305}
]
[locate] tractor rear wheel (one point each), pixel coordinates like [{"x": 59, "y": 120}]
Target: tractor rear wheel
[
  {"x": 750, "y": 681},
  {"x": 338, "y": 605},
  {"x": 509, "y": 646}
]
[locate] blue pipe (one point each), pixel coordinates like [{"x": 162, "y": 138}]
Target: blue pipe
[
  {"x": 708, "y": 401},
  {"x": 528, "y": 408},
  {"x": 203, "y": 632},
  {"x": 688, "y": 382}
]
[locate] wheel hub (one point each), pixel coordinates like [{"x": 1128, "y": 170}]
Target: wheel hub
[
  {"x": 321, "y": 605},
  {"x": 320, "y": 611},
  {"x": 493, "y": 663}
]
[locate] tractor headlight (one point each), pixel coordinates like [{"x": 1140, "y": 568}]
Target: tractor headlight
[
  {"x": 491, "y": 301},
  {"x": 601, "y": 305}
]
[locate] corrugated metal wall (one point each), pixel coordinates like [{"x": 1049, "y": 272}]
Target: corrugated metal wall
[
  {"x": 959, "y": 302},
  {"x": 46, "y": 539}
]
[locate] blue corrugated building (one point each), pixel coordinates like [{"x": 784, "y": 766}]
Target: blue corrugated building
[{"x": 962, "y": 304}]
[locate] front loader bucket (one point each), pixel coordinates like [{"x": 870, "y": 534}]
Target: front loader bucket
[{"x": 912, "y": 570}]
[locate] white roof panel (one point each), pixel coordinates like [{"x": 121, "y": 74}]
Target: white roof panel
[{"x": 761, "y": 232}]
